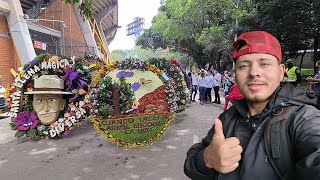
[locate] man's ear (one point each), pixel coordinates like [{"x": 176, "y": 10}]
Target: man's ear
[
  {"x": 282, "y": 71},
  {"x": 62, "y": 104}
]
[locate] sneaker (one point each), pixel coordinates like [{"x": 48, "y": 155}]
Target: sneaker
[{"x": 218, "y": 102}]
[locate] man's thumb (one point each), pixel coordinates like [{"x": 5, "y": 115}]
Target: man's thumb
[{"x": 218, "y": 130}]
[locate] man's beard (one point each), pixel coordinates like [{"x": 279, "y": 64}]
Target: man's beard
[{"x": 256, "y": 100}]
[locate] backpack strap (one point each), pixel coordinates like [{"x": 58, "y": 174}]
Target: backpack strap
[{"x": 277, "y": 141}]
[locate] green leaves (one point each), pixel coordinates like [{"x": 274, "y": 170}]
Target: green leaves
[
  {"x": 86, "y": 7},
  {"x": 32, "y": 133},
  {"x": 19, "y": 134}
]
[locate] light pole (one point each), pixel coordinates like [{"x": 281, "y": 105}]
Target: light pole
[{"x": 236, "y": 5}]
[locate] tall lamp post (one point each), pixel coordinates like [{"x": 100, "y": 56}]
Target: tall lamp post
[{"x": 236, "y": 5}]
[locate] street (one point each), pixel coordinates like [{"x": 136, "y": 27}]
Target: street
[{"x": 83, "y": 154}]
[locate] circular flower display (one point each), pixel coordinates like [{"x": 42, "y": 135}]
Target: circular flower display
[
  {"x": 176, "y": 73},
  {"x": 132, "y": 103},
  {"x": 48, "y": 97}
]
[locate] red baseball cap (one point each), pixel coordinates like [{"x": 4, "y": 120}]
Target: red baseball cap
[{"x": 258, "y": 42}]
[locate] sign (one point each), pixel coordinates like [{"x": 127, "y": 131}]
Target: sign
[
  {"x": 39, "y": 45},
  {"x": 136, "y": 27}
]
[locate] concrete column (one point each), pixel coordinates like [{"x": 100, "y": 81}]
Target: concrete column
[{"x": 20, "y": 32}]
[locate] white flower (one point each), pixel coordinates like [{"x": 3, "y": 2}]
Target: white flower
[{"x": 41, "y": 127}]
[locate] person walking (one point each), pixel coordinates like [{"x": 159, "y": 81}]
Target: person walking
[
  {"x": 273, "y": 133},
  {"x": 216, "y": 86},
  {"x": 202, "y": 86},
  {"x": 189, "y": 85},
  {"x": 195, "y": 84},
  {"x": 209, "y": 85}
]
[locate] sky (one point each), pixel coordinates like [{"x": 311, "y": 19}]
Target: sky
[{"x": 127, "y": 11}]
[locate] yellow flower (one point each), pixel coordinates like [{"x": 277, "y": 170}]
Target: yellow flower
[
  {"x": 20, "y": 73},
  {"x": 29, "y": 89},
  {"x": 52, "y": 59},
  {"x": 6, "y": 94}
]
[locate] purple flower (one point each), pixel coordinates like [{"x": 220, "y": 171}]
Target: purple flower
[
  {"x": 26, "y": 120},
  {"x": 136, "y": 86},
  {"x": 34, "y": 62},
  {"x": 124, "y": 74}
]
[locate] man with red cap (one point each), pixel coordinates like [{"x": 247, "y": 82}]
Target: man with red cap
[{"x": 272, "y": 133}]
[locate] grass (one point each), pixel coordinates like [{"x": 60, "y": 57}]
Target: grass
[{"x": 307, "y": 72}]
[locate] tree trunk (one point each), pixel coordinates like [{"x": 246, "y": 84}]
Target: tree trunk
[
  {"x": 116, "y": 99},
  {"x": 302, "y": 56},
  {"x": 315, "y": 53},
  {"x": 218, "y": 61}
]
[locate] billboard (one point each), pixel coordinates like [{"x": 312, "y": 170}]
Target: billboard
[{"x": 136, "y": 27}]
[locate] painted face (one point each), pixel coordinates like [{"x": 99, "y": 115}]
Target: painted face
[
  {"x": 48, "y": 107},
  {"x": 258, "y": 75}
]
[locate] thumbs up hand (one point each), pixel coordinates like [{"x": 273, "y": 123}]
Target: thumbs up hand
[{"x": 222, "y": 154}]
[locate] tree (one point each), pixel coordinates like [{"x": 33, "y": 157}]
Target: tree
[
  {"x": 152, "y": 38},
  {"x": 295, "y": 23}
]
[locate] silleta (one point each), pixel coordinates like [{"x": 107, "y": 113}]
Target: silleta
[{"x": 21, "y": 81}]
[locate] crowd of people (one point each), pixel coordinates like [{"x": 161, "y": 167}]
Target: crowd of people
[{"x": 205, "y": 82}]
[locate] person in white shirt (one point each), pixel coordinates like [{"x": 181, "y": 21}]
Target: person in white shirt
[
  {"x": 209, "y": 85},
  {"x": 194, "y": 88},
  {"x": 202, "y": 86},
  {"x": 216, "y": 86}
]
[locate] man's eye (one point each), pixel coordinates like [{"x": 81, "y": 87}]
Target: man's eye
[
  {"x": 52, "y": 100},
  {"x": 40, "y": 100},
  {"x": 243, "y": 66},
  {"x": 265, "y": 64}
]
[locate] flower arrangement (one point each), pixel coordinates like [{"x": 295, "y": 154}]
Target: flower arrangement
[
  {"x": 32, "y": 99},
  {"x": 132, "y": 103},
  {"x": 176, "y": 73}
]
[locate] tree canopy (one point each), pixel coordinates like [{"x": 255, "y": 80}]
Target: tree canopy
[{"x": 205, "y": 29}]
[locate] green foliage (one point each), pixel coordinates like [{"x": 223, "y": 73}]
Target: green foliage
[
  {"x": 86, "y": 7},
  {"x": 307, "y": 72},
  {"x": 159, "y": 53},
  {"x": 295, "y": 23},
  {"x": 19, "y": 134},
  {"x": 32, "y": 133},
  {"x": 105, "y": 97},
  {"x": 153, "y": 39},
  {"x": 126, "y": 96},
  {"x": 118, "y": 55},
  {"x": 13, "y": 126}
]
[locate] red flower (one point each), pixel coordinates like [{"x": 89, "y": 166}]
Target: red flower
[{"x": 102, "y": 75}]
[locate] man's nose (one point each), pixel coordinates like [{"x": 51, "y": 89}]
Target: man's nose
[
  {"x": 46, "y": 106},
  {"x": 255, "y": 71}
]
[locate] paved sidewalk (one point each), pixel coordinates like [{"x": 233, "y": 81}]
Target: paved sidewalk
[{"x": 84, "y": 155}]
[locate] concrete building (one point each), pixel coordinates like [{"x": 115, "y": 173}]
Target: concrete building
[{"x": 31, "y": 27}]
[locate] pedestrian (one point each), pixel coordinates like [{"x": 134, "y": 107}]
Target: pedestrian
[
  {"x": 294, "y": 73},
  {"x": 189, "y": 85},
  {"x": 202, "y": 86},
  {"x": 209, "y": 85},
  {"x": 194, "y": 89},
  {"x": 273, "y": 133},
  {"x": 316, "y": 81},
  {"x": 216, "y": 86}
]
